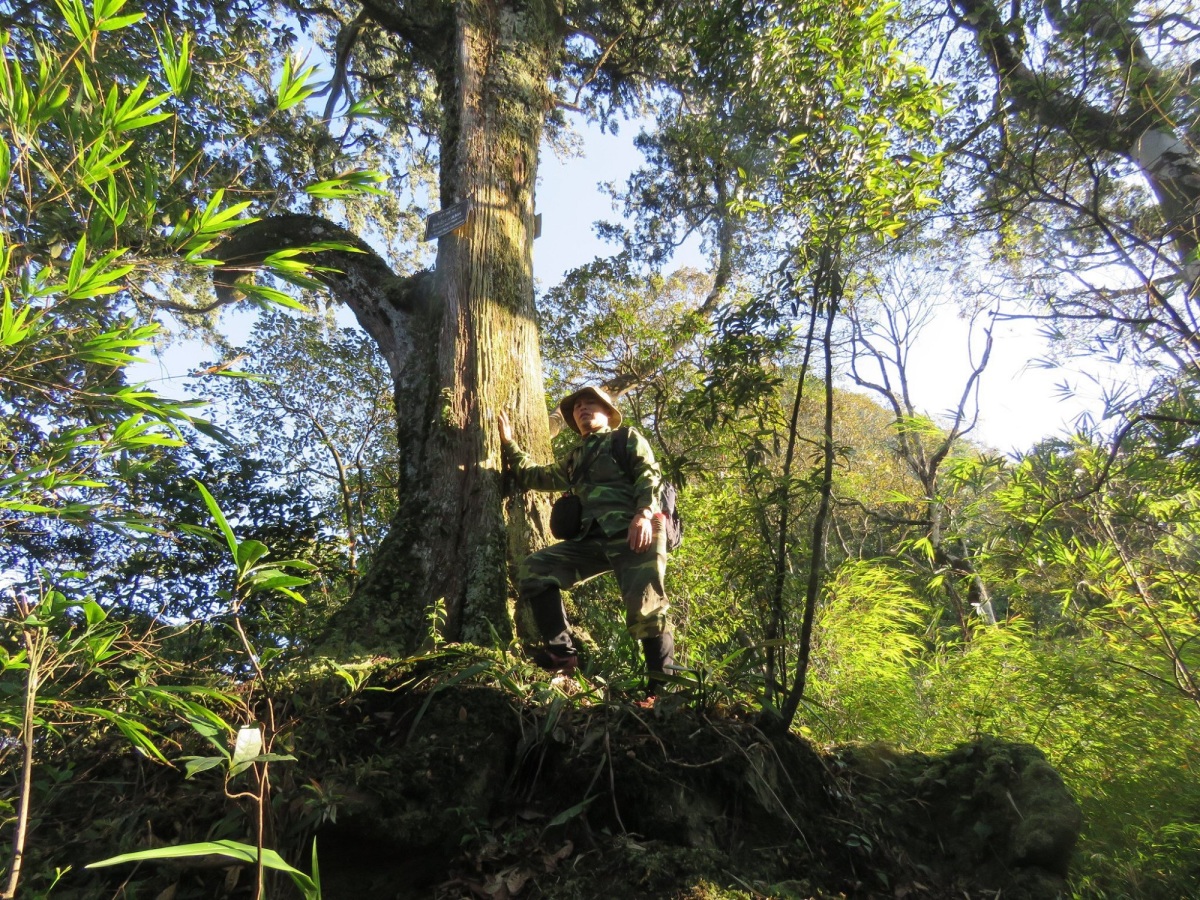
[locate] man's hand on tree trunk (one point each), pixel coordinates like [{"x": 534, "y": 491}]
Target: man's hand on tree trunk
[{"x": 506, "y": 432}]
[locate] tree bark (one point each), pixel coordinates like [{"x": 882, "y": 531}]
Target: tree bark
[
  {"x": 776, "y": 655},
  {"x": 461, "y": 343},
  {"x": 475, "y": 352},
  {"x": 830, "y": 283}
]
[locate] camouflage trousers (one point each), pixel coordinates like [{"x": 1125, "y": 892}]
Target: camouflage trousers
[{"x": 567, "y": 564}]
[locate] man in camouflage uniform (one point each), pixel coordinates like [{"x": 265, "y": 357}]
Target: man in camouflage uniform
[{"x": 622, "y": 531}]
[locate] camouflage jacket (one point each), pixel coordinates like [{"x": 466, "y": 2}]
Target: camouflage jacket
[{"x": 591, "y": 472}]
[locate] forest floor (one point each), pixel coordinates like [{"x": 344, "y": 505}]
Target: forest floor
[
  {"x": 480, "y": 780},
  {"x": 585, "y": 795}
]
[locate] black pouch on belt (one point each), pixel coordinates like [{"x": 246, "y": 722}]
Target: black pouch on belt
[
  {"x": 566, "y": 514},
  {"x": 566, "y": 517}
]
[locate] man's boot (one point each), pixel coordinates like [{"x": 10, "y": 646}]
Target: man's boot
[
  {"x": 660, "y": 658},
  {"x": 551, "y": 618}
]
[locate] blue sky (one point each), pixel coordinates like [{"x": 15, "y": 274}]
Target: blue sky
[{"x": 1020, "y": 404}]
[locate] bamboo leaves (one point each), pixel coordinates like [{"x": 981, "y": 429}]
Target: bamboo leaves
[
  {"x": 133, "y": 112},
  {"x": 103, "y": 18},
  {"x": 64, "y": 644},
  {"x": 199, "y": 229},
  {"x": 310, "y": 887},
  {"x": 252, "y": 577},
  {"x": 74, "y": 123},
  {"x": 1118, "y": 545},
  {"x": 348, "y": 184},
  {"x": 295, "y": 84},
  {"x": 176, "y": 61}
]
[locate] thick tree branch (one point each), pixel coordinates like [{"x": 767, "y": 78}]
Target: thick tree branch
[
  {"x": 358, "y": 276},
  {"x": 1029, "y": 92},
  {"x": 346, "y": 40},
  {"x": 428, "y": 28},
  {"x": 600, "y": 61}
]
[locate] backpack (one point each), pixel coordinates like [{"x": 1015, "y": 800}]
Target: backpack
[{"x": 671, "y": 517}]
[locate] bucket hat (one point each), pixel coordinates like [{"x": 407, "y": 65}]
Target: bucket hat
[{"x": 566, "y": 407}]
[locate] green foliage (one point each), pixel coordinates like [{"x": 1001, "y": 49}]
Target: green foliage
[
  {"x": 1090, "y": 548},
  {"x": 607, "y": 320},
  {"x": 1116, "y": 536},
  {"x": 868, "y": 649},
  {"x": 76, "y": 201},
  {"x": 806, "y": 121},
  {"x": 252, "y": 748},
  {"x": 728, "y": 682},
  {"x": 252, "y": 576},
  {"x": 857, "y": 121},
  {"x": 316, "y": 406},
  {"x": 69, "y": 654},
  {"x": 79, "y": 668},
  {"x": 71, "y": 675},
  {"x": 310, "y": 886},
  {"x": 83, "y": 232}
]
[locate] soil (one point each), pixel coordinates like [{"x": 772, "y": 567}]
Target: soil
[{"x": 440, "y": 784}]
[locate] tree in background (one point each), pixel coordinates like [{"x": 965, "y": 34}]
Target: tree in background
[
  {"x": 461, "y": 342},
  {"x": 886, "y": 323},
  {"x": 1077, "y": 159},
  {"x": 843, "y": 172},
  {"x": 311, "y": 402}
]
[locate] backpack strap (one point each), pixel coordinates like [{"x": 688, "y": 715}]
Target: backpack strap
[
  {"x": 575, "y": 473},
  {"x": 620, "y": 448}
]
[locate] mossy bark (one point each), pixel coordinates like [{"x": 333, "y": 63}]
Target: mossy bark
[{"x": 473, "y": 354}]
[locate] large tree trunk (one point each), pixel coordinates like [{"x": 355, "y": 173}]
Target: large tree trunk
[
  {"x": 461, "y": 343},
  {"x": 477, "y": 352}
]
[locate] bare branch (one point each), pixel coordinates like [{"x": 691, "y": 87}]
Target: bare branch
[{"x": 346, "y": 40}]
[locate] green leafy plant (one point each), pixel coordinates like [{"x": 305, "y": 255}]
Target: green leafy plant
[
  {"x": 252, "y": 750},
  {"x": 75, "y": 667},
  {"x": 309, "y": 885},
  {"x": 251, "y": 753},
  {"x": 734, "y": 678},
  {"x": 83, "y": 232}
]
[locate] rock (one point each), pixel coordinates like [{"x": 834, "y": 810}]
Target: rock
[{"x": 990, "y": 809}]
